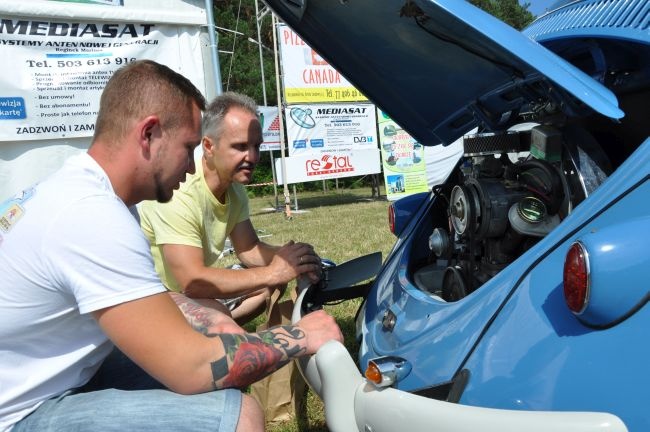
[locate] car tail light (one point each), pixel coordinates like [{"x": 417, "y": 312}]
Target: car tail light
[
  {"x": 391, "y": 218},
  {"x": 576, "y": 278}
]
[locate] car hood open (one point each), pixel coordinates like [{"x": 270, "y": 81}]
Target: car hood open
[{"x": 440, "y": 68}]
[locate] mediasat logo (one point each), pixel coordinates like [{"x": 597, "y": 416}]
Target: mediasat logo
[
  {"x": 328, "y": 164},
  {"x": 74, "y": 29}
]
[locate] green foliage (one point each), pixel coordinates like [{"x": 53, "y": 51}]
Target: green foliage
[
  {"x": 508, "y": 11},
  {"x": 239, "y": 58}
]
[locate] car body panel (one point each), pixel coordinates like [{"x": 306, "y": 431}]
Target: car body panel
[
  {"x": 353, "y": 404},
  {"x": 557, "y": 361},
  {"x": 628, "y": 20},
  {"x": 405, "y": 208},
  {"x": 465, "y": 320}
]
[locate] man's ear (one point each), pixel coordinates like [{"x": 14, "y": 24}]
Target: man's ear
[
  {"x": 148, "y": 129},
  {"x": 208, "y": 145}
]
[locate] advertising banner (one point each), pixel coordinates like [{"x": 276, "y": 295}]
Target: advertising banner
[
  {"x": 270, "y": 120},
  {"x": 310, "y": 167},
  {"x": 324, "y": 128},
  {"x": 58, "y": 70},
  {"x": 307, "y": 77},
  {"x": 58, "y": 55},
  {"x": 402, "y": 160}
]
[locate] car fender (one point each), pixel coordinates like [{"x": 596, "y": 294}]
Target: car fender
[{"x": 354, "y": 404}]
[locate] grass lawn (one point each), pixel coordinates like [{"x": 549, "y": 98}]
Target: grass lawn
[{"x": 341, "y": 225}]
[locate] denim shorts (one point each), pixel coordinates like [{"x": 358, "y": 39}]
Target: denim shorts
[{"x": 122, "y": 397}]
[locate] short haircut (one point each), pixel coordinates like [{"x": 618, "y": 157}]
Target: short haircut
[
  {"x": 142, "y": 88},
  {"x": 217, "y": 109}
]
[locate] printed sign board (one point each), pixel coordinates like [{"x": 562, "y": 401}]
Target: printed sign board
[
  {"x": 310, "y": 167},
  {"x": 402, "y": 159},
  {"x": 59, "y": 69},
  {"x": 307, "y": 77},
  {"x": 57, "y": 57},
  {"x": 270, "y": 120},
  {"x": 326, "y": 128}
]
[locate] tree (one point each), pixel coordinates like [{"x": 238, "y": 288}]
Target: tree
[
  {"x": 239, "y": 52},
  {"x": 508, "y": 11}
]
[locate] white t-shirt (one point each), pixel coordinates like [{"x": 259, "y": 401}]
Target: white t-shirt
[{"x": 68, "y": 246}]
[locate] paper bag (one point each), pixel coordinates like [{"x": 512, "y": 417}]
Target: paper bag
[{"x": 280, "y": 394}]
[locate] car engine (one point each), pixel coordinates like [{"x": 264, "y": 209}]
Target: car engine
[{"x": 508, "y": 191}]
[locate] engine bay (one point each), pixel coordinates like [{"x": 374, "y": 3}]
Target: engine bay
[
  {"x": 507, "y": 192},
  {"x": 511, "y": 189}
]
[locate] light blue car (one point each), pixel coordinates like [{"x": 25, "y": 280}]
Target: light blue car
[{"x": 515, "y": 296}]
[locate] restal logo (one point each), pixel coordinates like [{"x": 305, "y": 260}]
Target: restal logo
[{"x": 328, "y": 164}]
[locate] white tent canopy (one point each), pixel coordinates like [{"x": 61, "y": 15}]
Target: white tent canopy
[{"x": 58, "y": 55}]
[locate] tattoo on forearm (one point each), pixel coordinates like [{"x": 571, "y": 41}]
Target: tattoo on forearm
[
  {"x": 250, "y": 358},
  {"x": 195, "y": 314}
]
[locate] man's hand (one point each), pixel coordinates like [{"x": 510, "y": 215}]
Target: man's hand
[
  {"x": 293, "y": 260},
  {"x": 319, "y": 327},
  {"x": 252, "y": 356}
]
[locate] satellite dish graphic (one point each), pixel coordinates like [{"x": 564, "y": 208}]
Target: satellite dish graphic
[{"x": 302, "y": 117}]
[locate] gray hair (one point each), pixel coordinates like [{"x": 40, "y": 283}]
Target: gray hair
[{"x": 217, "y": 109}]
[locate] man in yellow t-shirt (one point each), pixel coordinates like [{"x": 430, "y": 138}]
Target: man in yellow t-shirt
[{"x": 187, "y": 234}]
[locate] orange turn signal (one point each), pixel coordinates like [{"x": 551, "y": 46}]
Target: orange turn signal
[
  {"x": 373, "y": 374},
  {"x": 386, "y": 371}
]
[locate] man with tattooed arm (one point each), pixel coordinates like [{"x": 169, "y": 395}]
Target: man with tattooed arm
[{"x": 89, "y": 337}]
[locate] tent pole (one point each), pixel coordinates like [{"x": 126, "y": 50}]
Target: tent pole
[
  {"x": 258, "y": 19},
  {"x": 287, "y": 196},
  {"x": 213, "y": 46}
]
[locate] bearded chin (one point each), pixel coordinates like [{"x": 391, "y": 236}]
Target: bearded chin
[{"x": 162, "y": 196}]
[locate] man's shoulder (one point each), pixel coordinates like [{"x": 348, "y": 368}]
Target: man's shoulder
[{"x": 78, "y": 181}]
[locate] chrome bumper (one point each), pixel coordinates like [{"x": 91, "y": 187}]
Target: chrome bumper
[{"x": 354, "y": 404}]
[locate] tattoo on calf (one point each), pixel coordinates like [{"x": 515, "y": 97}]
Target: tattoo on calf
[{"x": 250, "y": 358}]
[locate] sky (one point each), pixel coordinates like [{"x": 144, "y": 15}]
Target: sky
[{"x": 538, "y": 7}]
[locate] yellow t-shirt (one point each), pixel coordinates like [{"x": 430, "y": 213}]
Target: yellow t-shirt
[{"x": 193, "y": 217}]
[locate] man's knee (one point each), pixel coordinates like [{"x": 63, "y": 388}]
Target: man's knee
[{"x": 251, "y": 416}]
